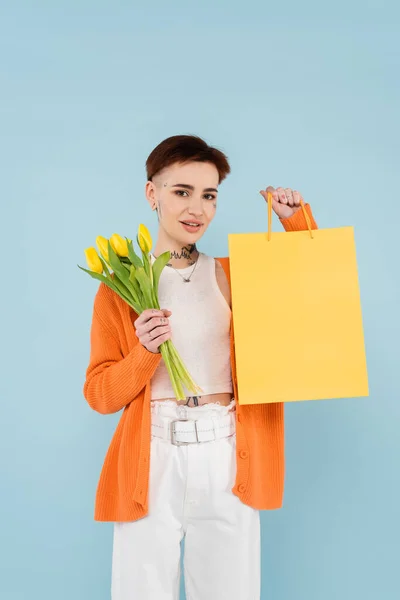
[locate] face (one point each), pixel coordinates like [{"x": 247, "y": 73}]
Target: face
[{"x": 185, "y": 196}]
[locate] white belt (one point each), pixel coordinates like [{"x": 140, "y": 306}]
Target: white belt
[{"x": 193, "y": 431}]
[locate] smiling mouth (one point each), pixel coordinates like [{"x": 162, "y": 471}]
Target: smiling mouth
[{"x": 191, "y": 224}]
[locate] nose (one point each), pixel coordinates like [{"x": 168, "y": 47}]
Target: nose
[{"x": 195, "y": 207}]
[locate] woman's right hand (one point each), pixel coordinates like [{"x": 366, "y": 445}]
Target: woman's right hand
[{"x": 153, "y": 328}]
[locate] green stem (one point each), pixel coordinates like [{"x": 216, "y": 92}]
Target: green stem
[
  {"x": 165, "y": 352},
  {"x": 177, "y": 377},
  {"x": 183, "y": 373},
  {"x": 155, "y": 299}
]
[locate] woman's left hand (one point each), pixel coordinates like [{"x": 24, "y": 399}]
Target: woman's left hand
[{"x": 285, "y": 201}]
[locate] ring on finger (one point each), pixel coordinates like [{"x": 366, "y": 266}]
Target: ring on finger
[{"x": 289, "y": 197}]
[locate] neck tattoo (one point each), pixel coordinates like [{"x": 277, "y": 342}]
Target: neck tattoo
[
  {"x": 185, "y": 253},
  {"x": 185, "y": 250}
]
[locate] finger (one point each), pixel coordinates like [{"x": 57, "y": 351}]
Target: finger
[
  {"x": 296, "y": 198},
  {"x": 155, "y": 333},
  {"x": 289, "y": 196},
  {"x": 146, "y": 315},
  {"x": 156, "y": 323},
  {"x": 270, "y": 190},
  {"x": 276, "y": 206},
  {"x": 281, "y": 195},
  {"x": 148, "y": 338},
  {"x": 150, "y": 325},
  {"x": 153, "y": 312},
  {"x": 160, "y": 340},
  {"x": 159, "y": 335},
  {"x": 275, "y": 195}
]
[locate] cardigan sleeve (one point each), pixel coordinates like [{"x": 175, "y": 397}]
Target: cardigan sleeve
[
  {"x": 297, "y": 222},
  {"x": 112, "y": 380}
]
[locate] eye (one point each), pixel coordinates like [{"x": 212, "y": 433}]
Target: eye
[
  {"x": 179, "y": 192},
  {"x": 210, "y": 197}
]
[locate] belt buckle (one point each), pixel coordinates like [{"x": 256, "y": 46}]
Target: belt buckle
[{"x": 173, "y": 432}]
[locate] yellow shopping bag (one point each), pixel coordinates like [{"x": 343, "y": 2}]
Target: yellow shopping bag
[{"x": 297, "y": 315}]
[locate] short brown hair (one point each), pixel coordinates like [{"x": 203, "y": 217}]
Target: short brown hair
[{"x": 183, "y": 149}]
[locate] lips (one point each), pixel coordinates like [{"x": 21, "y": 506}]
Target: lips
[{"x": 191, "y": 226}]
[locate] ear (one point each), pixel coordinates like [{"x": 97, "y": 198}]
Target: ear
[{"x": 150, "y": 191}]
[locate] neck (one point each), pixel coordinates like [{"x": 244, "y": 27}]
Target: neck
[{"x": 182, "y": 256}]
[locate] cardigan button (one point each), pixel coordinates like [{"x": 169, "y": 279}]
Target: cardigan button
[
  {"x": 244, "y": 454},
  {"x": 241, "y": 488}
]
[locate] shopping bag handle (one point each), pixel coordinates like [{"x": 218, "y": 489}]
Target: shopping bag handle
[{"x": 307, "y": 218}]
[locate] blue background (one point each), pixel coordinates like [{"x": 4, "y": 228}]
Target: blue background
[{"x": 304, "y": 95}]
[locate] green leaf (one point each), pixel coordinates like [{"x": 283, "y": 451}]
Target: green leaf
[
  {"x": 105, "y": 267},
  {"x": 134, "y": 282},
  {"x": 118, "y": 268},
  {"x": 158, "y": 265},
  {"x": 145, "y": 287},
  {"x": 125, "y": 293},
  {"x": 98, "y": 276},
  {"x": 135, "y": 260},
  {"x": 111, "y": 284},
  {"x": 146, "y": 263},
  {"x": 132, "y": 278}
]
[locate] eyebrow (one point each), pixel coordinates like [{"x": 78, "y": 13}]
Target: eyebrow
[{"x": 190, "y": 187}]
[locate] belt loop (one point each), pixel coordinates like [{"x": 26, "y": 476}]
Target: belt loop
[
  {"x": 182, "y": 412},
  {"x": 217, "y": 433},
  {"x": 166, "y": 429}
]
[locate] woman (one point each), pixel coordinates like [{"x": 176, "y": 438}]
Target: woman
[{"x": 198, "y": 469}]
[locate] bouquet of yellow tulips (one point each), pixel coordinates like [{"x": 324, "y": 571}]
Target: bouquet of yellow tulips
[{"x": 136, "y": 280}]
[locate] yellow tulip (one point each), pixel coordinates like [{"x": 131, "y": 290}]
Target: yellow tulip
[
  {"x": 93, "y": 260},
  {"x": 144, "y": 239},
  {"x": 102, "y": 244},
  {"x": 119, "y": 245}
]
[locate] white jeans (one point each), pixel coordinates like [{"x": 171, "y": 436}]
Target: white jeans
[{"x": 190, "y": 497}]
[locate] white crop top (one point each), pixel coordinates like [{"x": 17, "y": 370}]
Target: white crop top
[{"x": 200, "y": 324}]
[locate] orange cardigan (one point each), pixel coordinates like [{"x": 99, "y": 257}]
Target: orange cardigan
[{"x": 118, "y": 377}]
